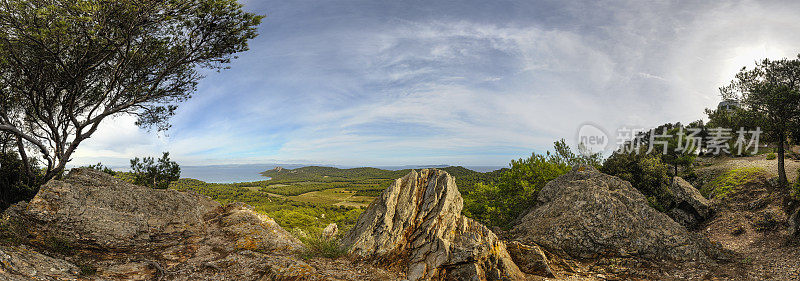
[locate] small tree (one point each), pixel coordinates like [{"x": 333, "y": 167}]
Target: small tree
[
  {"x": 67, "y": 65},
  {"x": 102, "y": 168},
  {"x": 148, "y": 172},
  {"x": 770, "y": 98}
]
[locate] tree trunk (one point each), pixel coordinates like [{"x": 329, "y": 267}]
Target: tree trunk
[{"x": 781, "y": 169}]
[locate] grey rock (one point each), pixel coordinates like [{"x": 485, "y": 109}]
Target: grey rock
[
  {"x": 23, "y": 263},
  {"x": 330, "y": 231},
  {"x": 129, "y": 232},
  {"x": 530, "y": 259},
  {"x": 416, "y": 224},
  {"x": 92, "y": 207},
  {"x": 588, "y": 214},
  {"x": 690, "y": 207}
]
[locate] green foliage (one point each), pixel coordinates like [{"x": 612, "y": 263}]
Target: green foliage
[
  {"x": 320, "y": 246},
  {"x": 16, "y": 182},
  {"x": 288, "y": 213},
  {"x": 67, "y": 65},
  {"x": 730, "y": 181},
  {"x": 148, "y": 172},
  {"x": 514, "y": 192},
  {"x": 100, "y": 167},
  {"x": 770, "y": 98},
  {"x": 771, "y": 156},
  {"x": 645, "y": 172}
]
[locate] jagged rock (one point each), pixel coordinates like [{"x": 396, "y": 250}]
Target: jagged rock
[
  {"x": 330, "y": 231},
  {"x": 530, "y": 259},
  {"x": 128, "y": 232},
  {"x": 416, "y": 224},
  {"x": 22, "y": 263},
  {"x": 690, "y": 207},
  {"x": 588, "y": 214},
  {"x": 252, "y": 231}
]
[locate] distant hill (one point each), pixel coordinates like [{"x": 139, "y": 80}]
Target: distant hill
[{"x": 465, "y": 178}]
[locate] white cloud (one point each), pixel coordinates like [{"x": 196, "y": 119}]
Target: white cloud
[{"x": 463, "y": 91}]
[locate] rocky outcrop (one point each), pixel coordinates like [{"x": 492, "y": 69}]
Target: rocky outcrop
[
  {"x": 127, "y": 232},
  {"x": 690, "y": 208},
  {"x": 23, "y": 263},
  {"x": 588, "y": 214},
  {"x": 416, "y": 225},
  {"x": 530, "y": 259}
]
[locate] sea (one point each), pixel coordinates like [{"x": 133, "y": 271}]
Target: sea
[{"x": 234, "y": 173}]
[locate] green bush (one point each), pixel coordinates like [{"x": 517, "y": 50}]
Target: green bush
[
  {"x": 771, "y": 156},
  {"x": 499, "y": 204},
  {"x": 645, "y": 172},
  {"x": 320, "y": 246},
  {"x": 102, "y": 168},
  {"x": 148, "y": 172},
  {"x": 16, "y": 184}
]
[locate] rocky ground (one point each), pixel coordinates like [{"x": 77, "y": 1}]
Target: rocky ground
[
  {"x": 585, "y": 226},
  {"x": 91, "y": 226}
]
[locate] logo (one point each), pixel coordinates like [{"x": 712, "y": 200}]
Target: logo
[{"x": 592, "y": 139}]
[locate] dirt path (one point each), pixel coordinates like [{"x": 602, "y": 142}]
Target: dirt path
[
  {"x": 723, "y": 164},
  {"x": 753, "y": 224}
]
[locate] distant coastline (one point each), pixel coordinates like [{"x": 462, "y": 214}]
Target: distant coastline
[{"x": 233, "y": 173}]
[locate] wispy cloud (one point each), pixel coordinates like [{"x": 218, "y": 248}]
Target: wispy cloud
[{"x": 360, "y": 83}]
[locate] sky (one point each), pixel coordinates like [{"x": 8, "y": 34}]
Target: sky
[{"x": 370, "y": 83}]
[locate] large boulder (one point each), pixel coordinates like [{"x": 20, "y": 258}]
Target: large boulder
[
  {"x": 92, "y": 207},
  {"x": 690, "y": 208},
  {"x": 416, "y": 224},
  {"x": 128, "y": 232},
  {"x": 588, "y": 214}
]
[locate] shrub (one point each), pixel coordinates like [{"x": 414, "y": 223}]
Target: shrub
[
  {"x": 16, "y": 184},
  {"x": 645, "y": 172},
  {"x": 499, "y": 204},
  {"x": 320, "y": 246},
  {"x": 771, "y": 156},
  {"x": 100, "y": 167},
  {"x": 156, "y": 175}
]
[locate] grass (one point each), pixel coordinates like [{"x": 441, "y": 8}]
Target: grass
[
  {"x": 320, "y": 246},
  {"x": 771, "y": 156},
  {"x": 723, "y": 185}
]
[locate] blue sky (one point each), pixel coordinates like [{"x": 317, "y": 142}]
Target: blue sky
[{"x": 462, "y": 83}]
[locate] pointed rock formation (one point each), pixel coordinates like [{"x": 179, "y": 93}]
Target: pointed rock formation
[
  {"x": 416, "y": 225},
  {"x": 588, "y": 214}
]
